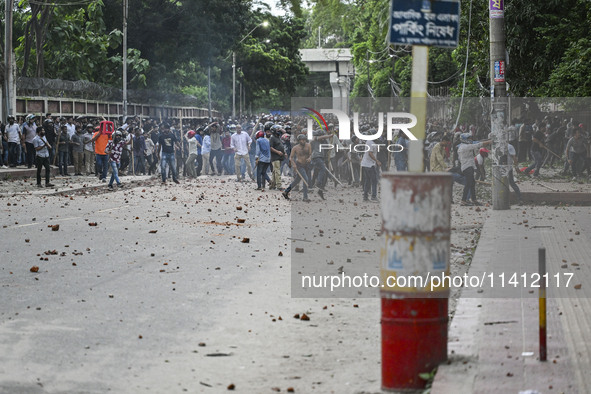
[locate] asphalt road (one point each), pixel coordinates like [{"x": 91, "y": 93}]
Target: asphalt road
[{"x": 163, "y": 296}]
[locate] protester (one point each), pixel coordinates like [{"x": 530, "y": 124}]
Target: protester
[
  {"x": 370, "y": 168},
  {"x": 167, "y": 143},
  {"x": 190, "y": 164},
  {"x": 42, "y": 149},
  {"x": 100, "y": 140},
  {"x": 89, "y": 159},
  {"x": 300, "y": 159},
  {"x": 240, "y": 143},
  {"x": 78, "y": 150},
  {"x": 63, "y": 150},
  {"x": 277, "y": 156},
  {"x": 262, "y": 160},
  {"x": 14, "y": 138},
  {"x": 29, "y": 133},
  {"x": 115, "y": 149},
  {"x": 466, "y": 152}
]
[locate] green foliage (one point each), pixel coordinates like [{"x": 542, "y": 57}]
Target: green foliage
[
  {"x": 328, "y": 16},
  {"x": 276, "y": 64}
]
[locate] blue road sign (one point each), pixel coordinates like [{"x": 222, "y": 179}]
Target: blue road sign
[{"x": 425, "y": 22}]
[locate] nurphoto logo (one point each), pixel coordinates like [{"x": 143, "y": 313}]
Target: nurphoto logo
[{"x": 395, "y": 121}]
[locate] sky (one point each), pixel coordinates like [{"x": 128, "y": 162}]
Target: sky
[{"x": 274, "y": 9}]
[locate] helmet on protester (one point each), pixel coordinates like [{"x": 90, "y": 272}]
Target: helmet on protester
[
  {"x": 268, "y": 125},
  {"x": 90, "y": 126},
  {"x": 277, "y": 130},
  {"x": 118, "y": 133},
  {"x": 302, "y": 137},
  {"x": 259, "y": 134},
  {"x": 285, "y": 137},
  {"x": 10, "y": 117},
  {"x": 484, "y": 152},
  {"x": 317, "y": 133},
  {"x": 466, "y": 138},
  {"x": 30, "y": 117},
  {"x": 191, "y": 133}
]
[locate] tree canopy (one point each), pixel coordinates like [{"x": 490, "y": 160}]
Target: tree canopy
[{"x": 173, "y": 43}]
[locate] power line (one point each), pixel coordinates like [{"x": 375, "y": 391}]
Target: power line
[{"x": 81, "y": 2}]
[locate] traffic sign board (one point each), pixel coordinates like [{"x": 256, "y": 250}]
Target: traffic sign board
[{"x": 425, "y": 22}]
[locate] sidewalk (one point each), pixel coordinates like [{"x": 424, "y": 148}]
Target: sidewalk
[{"x": 493, "y": 339}]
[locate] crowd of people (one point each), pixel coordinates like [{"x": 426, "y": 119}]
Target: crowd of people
[{"x": 268, "y": 147}]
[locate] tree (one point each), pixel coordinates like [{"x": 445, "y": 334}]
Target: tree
[{"x": 276, "y": 64}]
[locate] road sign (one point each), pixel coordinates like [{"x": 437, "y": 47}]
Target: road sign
[{"x": 425, "y": 22}]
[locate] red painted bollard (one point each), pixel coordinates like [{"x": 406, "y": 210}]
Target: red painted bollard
[{"x": 416, "y": 216}]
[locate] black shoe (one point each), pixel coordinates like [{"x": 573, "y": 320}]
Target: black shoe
[
  {"x": 321, "y": 194},
  {"x": 39, "y": 185},
  {"x": 176, "y": 181},
  {"x": 49, "y": 185},
  {"x": 285, "y": 195},
  {"x": 120, "y": 185},
  {"x": 306, "y": 200}
]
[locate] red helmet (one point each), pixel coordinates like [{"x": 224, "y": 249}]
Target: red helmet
[
  {"x": 259, "y": 134},
  {"x": 484, "y": 152},
  {"x": 191, "y": 134}
]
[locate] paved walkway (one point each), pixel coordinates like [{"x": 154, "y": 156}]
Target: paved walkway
[{"x": 493, "y": 339}]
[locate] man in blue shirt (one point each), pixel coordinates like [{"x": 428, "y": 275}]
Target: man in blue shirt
[{"x": 263, "y": 160}]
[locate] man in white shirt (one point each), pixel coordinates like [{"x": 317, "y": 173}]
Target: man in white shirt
[
  {"x": 369, "y": 168},
  {"x": 240, "y": 143},
  {"x": 466, "y": 152},
  {"x": 14, "y": 138},
  {"x": 29, "y": 134}
]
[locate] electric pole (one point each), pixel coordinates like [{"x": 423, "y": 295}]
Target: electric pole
[
  {"x": 8, "y": 73},
  {"x": 499, "y": 106},
  {"x": 125, "y": 9}
]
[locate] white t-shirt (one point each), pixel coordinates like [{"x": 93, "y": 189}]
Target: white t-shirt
[
  {"x": 511, "y": 154},
  {"x": 30, "y": 132},
  {"x": 239, "y": 142},
  {"x": 71, "y": 129},
  {"x": 466, "y": 154},
  {"x": 12, "y": 133},
  {"x": 367, "y": 160}
]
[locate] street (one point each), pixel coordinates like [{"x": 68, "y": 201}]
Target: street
[{"x": 162, "y": 296}]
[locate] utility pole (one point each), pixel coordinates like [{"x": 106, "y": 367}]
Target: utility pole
[
  {"x": 125, "y": 9},
  {"x": 233, "y": 85},
  {"x": 8, "y": 4},
  {"x": 499, "y": 106},
  {"x": 418, "y": 106},
  {"x": 209, "y": 91}
]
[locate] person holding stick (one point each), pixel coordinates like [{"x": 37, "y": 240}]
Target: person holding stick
[{"x": 300, "y": 159}]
